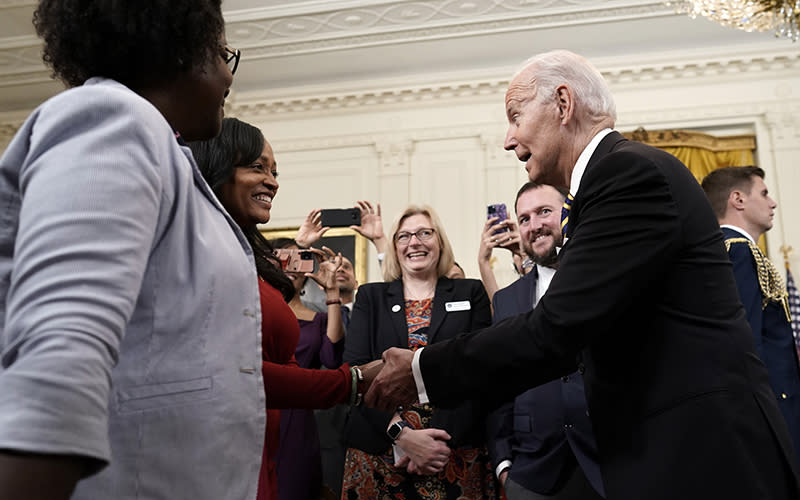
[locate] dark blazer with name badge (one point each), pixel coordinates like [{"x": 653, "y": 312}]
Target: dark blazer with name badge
[
  {"x": 378, "y": 322},
  {"x": 546, "y": 430},
  {"x": 645, "y": 300},
  {"x": 772, "y": 334}
]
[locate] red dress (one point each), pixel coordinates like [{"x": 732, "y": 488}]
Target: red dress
[{"x": 285, "y": 383}]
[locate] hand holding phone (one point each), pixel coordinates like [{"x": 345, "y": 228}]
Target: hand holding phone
[
  {"x": 295, "y": 260},
  {"x": 497, "y": 210},
  {"x": 329, "y": 263},
  {"x": 340, "y": 217}
]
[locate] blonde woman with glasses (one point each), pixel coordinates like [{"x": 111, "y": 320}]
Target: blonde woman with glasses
[{"x": 418, "y": 451}]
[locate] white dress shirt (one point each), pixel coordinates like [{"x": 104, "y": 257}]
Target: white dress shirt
[{"x": 575, "y": 181}]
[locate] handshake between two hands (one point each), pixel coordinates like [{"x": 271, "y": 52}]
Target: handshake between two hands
[{"x": 389, "y": 383}]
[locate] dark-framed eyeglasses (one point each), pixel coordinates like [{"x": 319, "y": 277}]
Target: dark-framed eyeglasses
[
  {"x": 404, "y": 237},
  {"x": 231, "y": 57}
]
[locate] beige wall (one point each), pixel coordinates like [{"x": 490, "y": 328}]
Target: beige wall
[{"x": 441, "y": 143}]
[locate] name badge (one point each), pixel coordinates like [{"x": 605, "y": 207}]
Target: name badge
[{"x": 462, "y": 305}]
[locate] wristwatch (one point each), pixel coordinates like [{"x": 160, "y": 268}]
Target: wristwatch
[{"x": 394, "y": 430}]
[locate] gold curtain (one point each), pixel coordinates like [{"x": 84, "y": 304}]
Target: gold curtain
[{"x": 702, "y": 153}]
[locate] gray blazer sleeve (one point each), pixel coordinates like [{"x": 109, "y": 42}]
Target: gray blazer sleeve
[{"x": 85, "y": 208}]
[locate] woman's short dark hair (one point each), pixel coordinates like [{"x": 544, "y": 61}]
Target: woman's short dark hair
[
  {"x": 137, "y": 43},
  {"x": 240, "y": 144}
]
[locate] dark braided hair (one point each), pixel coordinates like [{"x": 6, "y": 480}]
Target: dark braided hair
[
  {"x": 136, "y": 43},
  {"x": 241, "y": 144}
]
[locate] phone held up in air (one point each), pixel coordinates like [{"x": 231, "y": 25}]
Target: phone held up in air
[
  {"x": 296, "y": 260},
  {"x": 340, "y": 217},
  {"x": 497, "y": 210}
]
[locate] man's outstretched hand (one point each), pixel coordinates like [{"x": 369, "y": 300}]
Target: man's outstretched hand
[{"x": 394, "y": 386}]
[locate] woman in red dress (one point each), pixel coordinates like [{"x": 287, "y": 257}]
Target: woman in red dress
[{"x": 240, "y": 167}]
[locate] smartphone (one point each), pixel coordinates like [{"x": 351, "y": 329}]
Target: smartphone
[
  {"x": 497, "y": 210},
  {"x": 296, "y": 260},
  {"x": 340, "y": 217}
]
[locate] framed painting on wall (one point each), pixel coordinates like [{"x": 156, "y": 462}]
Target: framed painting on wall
[{"x": 339, "y": 239}]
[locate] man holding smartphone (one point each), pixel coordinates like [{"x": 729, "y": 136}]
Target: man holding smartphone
[{"x": 541, "y": 444}]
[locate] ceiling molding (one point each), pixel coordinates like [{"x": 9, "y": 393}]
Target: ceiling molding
[
  {"x": 689, "y": 70},
  {"x": 387, "y": 97},
  {"x": 317, "y": 27},
  {"x": 271, "y": 32},
  {"x": 312, "y": 56},
  {"x": 268, "y": 33}
]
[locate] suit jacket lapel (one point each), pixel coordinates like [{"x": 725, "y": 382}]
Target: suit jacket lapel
[
  {"x": 443, "y": 295},
  {"x": 608, "y": 143},
  {"x": 528, "y": 291},
  {"x": 606, "y": 146},
  {"x": 395, "y": 300}
]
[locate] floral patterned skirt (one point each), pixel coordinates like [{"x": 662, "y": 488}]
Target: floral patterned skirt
[{"x": 468, "y": 474}]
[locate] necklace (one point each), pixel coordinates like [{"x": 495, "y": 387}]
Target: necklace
[{"x": 419, "y": 293}]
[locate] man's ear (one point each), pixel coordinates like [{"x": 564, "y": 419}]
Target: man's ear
[
  {"x": 565, "y": 102},
  {"x": 736, "y": 200}
]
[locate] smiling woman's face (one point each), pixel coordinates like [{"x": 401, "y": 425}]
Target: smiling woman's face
[
  {"x": 248, "y": 194},
  {"x": 418, "y": 256}
]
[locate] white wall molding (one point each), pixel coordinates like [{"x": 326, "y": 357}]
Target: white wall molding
[
  {"x": 394, "y": 155},
  {"x": 667, "y": 69},
  {"x": 778, "y": 115},
  {"x": 393, "y": 145},
  {"x": 784, "y": 125}
]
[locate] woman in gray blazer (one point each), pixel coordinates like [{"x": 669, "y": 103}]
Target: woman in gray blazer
[{"x": 129, "y": 311}]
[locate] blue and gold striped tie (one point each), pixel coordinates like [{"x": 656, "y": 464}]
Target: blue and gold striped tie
[{"x": 565, "y": 208}]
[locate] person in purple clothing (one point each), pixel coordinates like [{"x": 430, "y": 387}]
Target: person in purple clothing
[{"x": 321, "y": 344}]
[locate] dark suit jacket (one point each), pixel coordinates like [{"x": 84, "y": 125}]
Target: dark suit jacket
[
  {"x": 772, "y": 334},
  {"x": 546, "y": 430},
  {"x": 378, "y": 322},
  {"x": 645, "y": 300}
]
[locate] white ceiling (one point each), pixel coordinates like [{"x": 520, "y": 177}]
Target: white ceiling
[{"x": 303, "y": 46}]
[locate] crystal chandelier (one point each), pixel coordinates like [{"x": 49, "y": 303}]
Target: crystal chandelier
[{"x": 780, "y": 16}]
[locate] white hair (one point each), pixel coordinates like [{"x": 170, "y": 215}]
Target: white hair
[{"x": 551, "y": 69}]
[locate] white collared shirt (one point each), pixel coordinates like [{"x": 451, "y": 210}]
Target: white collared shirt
[
  {"x": 739, "y": 230},
  {"x": 575, "y": 181},
  {"x": 543, "y": 282},
  {"x": 583, "y": 161}
]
